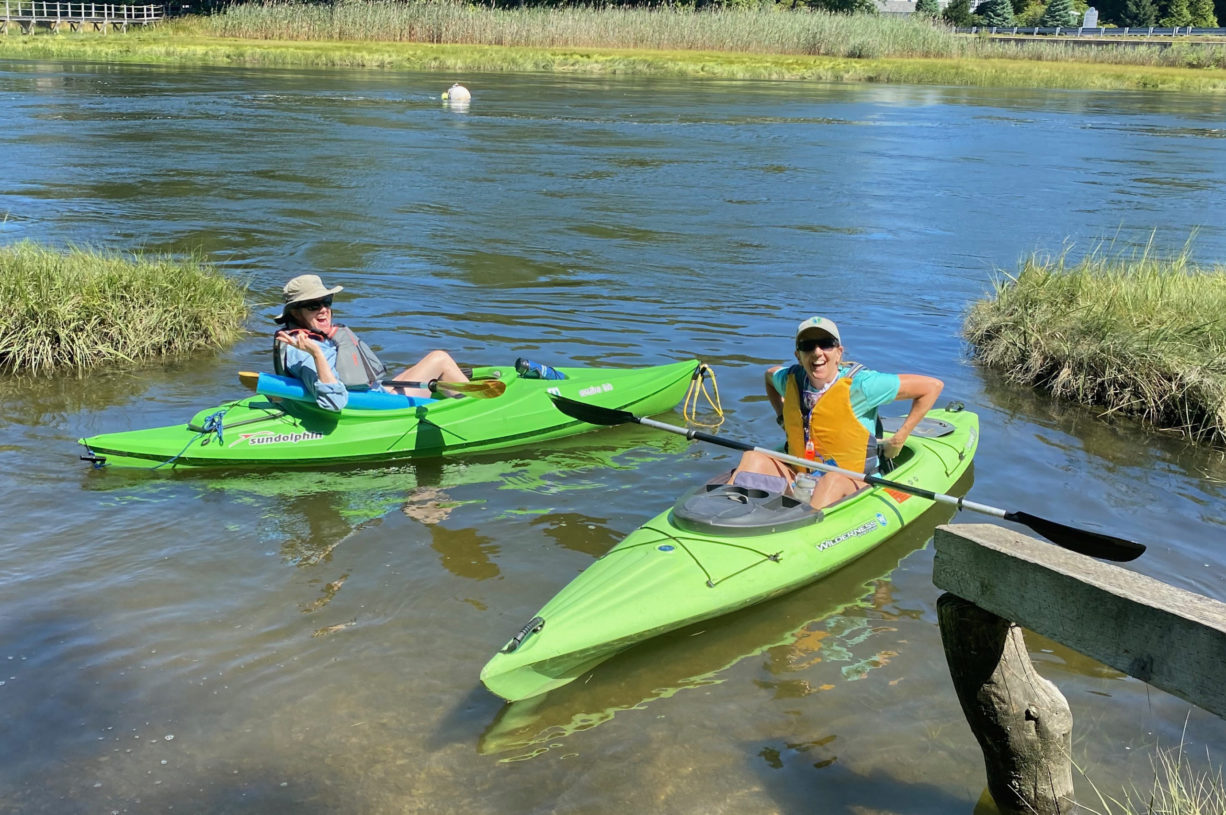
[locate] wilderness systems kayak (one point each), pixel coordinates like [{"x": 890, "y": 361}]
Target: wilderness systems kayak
[
  {"x": 281, "y": 425},
  {"x": 718, "y": 549}
]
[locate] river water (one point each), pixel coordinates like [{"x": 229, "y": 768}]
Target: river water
[{"x": 311, "y": 642}]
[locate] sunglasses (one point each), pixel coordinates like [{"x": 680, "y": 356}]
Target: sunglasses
[
  {"x": 316, "y": 305},
  {"x": 825, "y": 343}
]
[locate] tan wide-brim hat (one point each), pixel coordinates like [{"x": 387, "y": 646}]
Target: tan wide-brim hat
[{"x": 303, "y": 289}]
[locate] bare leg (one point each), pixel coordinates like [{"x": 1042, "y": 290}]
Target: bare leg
[
  {"x": 434, "y": 365},
  {"x": 833, "y": 487},
  {"x": 762, "y": 472}
]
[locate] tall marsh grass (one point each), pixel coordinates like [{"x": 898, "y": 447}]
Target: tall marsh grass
[
  {"x": 764, "y": 30},
  {"x": 1140, "y": 336},
  {"x": 81, "y": 308},
  {"x": 1177, "y": 789}
]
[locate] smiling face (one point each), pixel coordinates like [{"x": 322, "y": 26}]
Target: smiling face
[
  {"x": 819, "y": 354},
  {"x": 314, "y": 314}
]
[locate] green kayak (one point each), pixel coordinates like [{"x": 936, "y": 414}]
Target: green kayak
[
  {"x": 281, "y": 426},
  {"x": 718, "y": 549}
]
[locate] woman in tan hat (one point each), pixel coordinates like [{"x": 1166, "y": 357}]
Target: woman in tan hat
[
  {"x": 829, "y": 411},
  {"x": 330, "y": 359}
]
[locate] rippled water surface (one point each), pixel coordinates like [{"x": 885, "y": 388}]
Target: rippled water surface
[{"x": 311, "y": 642}]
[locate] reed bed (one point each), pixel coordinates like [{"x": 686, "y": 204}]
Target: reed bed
[
  {"x": 1139, "y": 336},
  {"x": 766, "y": 29},
  {"x": 81, "y": 308}
]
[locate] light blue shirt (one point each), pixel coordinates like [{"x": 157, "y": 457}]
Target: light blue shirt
[
  {"x": 869, "y": 391},
  {"x": 328, "y": 395}
]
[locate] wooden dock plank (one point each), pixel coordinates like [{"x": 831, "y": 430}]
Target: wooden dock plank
[{"x": 1163, "y": 635}]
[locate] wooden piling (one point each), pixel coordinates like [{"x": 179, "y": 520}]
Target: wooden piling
[{"x": 1022, "y": 722}]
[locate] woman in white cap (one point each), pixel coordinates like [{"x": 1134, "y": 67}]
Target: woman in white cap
[
  {"x": 829, "y": 411},
  {"x": 330, "y": 359}
]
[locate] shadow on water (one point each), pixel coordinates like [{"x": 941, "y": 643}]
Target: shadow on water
[
  {"x": 843, "y": 792},
  {"x": 1115, "y": 439},
  {"x": 786, "y": 631}
]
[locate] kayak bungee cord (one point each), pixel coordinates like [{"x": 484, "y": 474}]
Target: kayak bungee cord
[
  {"x": 213, "y": 423},
  {"x": 698, "y": 384},
  {"x": 710, "y": 581}
]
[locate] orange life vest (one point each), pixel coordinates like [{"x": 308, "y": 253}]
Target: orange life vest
[{"x": 831, "y": 432}]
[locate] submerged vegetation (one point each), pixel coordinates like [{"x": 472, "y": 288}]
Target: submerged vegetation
[
  {"x": 81, "y": 308},
  {"x": 1140, "y": 336}
]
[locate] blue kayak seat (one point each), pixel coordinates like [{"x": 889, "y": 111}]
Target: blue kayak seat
[{"x": 288, "y": 387}]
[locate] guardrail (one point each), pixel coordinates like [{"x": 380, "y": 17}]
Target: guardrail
[
  {"x": 55, "y": 13},
  {"x": 1075, "y": 31}
]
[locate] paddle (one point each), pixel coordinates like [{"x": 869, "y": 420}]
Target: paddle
[
  {"x": 477, "y": 388},
  {"x": 1083, "y": 541}
]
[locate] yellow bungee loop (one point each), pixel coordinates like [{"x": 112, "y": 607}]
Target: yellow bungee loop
[{"x": 698, "y": 384}]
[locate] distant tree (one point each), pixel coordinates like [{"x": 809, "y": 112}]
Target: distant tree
[
  {"x": 1139, "y": 14},
  {"x": 998, "y": 12},
  {"x": 1177, "y": 14},
  {"x": 843, "y": 6},
  {"x": 1203, "y": 15},
  {"x": 927, "y": 8},
  {"x": 1110, "y": 11},
  {"x": 1030, "y": 16},
  {"x": 958, "y": 13},
  {"x": 1058, "y": 13}
]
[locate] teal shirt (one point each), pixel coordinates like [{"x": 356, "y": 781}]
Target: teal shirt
[{"x": 869, "y": 391}]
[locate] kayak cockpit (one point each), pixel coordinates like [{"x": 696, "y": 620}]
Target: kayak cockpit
[{"x": 731, "y": 509}]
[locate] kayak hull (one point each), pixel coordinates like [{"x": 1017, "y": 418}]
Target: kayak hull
[
  {"x": 719, "y": 549},
  {"x": 273, "y": 430}
]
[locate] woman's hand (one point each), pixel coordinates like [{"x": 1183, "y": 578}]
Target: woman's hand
[
  {"x": 889, "y": 448},
  {"x": 298, "y": 340}
]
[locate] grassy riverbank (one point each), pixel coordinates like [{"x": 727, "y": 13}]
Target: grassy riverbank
[
  {"x": 81, "y": 309},
  {"x": 1139, "y": 336},
  {"x": 734, "y": 44}
]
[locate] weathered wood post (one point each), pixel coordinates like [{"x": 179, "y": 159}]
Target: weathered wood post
[
  {"x": 998, "y": 579},
  {"x": 1022, "y": 722}
]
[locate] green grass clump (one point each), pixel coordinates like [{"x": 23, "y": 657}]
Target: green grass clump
[
  {"x": 1177, "y": 789},
  {"x": 81, "y": 308},
  {"x": 1139, "y": 336}
]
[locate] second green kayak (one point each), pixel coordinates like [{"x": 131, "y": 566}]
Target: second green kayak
[
  {"x": 718, "y": 549},
  {"x": 282, "y": 427}
]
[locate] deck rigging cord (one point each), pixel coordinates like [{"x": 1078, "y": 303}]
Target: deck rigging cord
[{"x": 698, "y": 385}]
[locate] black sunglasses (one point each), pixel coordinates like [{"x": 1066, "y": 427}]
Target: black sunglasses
[
  {"x": 825, "y": 343},
  {"x": 316, "y": 305}
]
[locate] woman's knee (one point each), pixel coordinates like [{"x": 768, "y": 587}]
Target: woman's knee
[{"x": 753, "y": 461}]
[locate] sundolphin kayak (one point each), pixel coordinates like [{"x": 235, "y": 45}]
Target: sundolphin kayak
[
  {"x": 282, "y": 426},
  {"x": 718, "y": 549}
]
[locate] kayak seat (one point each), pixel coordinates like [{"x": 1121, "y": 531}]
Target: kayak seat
[
  {"x": 288, "y": 387},
  {"x": 732, "y": 509}
]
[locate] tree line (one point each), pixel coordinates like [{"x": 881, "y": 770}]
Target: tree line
[{"x": 1028, "y": 13}]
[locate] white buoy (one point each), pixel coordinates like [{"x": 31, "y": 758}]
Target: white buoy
[{"x": 457, "y": 93}]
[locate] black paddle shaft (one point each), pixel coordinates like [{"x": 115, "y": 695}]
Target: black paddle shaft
[{"x": 1082, "y": 541}]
